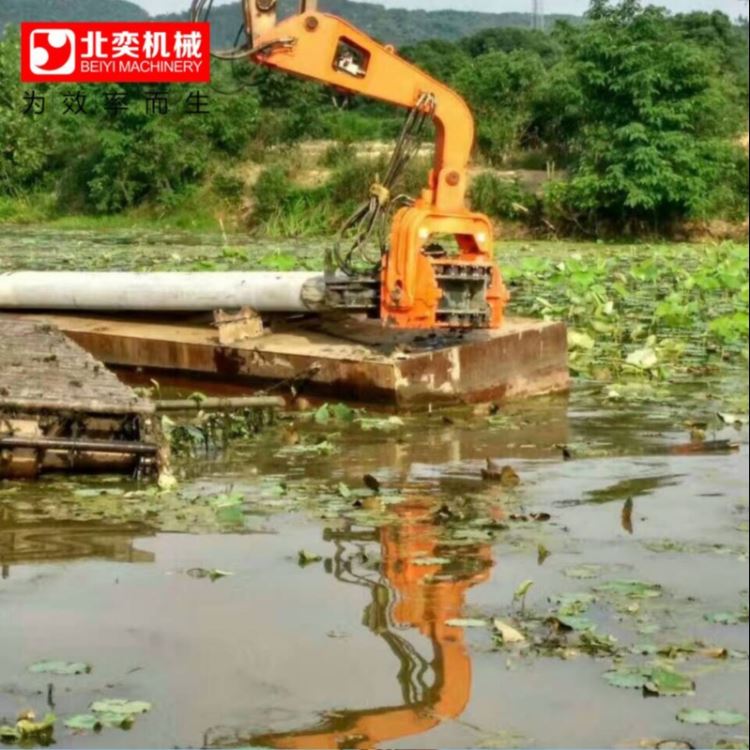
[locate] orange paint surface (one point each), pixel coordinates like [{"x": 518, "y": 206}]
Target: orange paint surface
[{"x": 328, "y": 50}]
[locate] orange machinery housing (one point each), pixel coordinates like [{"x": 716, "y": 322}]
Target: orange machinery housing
[{"x": 418, "y": 284}]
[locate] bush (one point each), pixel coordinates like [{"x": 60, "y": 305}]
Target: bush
[
  {"x": 350, "y": 126},
  {"x": 350, "y": 183},
  {"x": 228, "y": 186},
  {"x": 272, "y": 190},
  {"x": 503, "y": 199},
  {"x": 338, "y": 154}
]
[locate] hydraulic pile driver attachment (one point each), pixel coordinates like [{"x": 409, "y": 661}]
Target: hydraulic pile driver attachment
[{"x": 432, "y": 265}]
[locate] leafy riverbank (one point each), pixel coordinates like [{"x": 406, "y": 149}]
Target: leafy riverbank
[{"x": 638, "y": 116}]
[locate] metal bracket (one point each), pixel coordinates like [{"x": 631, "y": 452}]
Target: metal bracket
[{"x": 260, "y": 18}]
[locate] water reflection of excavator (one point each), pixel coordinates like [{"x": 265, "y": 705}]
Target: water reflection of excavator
[
  {"x": 406, "y": 594},
  {"x": 413, "y": 263}
]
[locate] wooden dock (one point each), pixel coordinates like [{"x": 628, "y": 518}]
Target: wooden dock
[{"x": 61, "y": 409}]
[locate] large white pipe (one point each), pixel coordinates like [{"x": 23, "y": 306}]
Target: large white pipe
[{"x": 263, "y": 291}]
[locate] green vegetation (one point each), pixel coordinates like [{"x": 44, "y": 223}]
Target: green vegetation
[
  {"x": 99, "y": 162},
  {"x": 635, "y": 117}
]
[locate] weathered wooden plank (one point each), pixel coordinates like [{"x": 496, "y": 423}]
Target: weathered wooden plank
[
  {"x": 41, "y": 369},
  {"x": 62, "y": 410}
]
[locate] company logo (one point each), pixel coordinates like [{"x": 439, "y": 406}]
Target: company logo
[
  {"x": 115, "y": 52},
  {"x": 52, "y": 52}
]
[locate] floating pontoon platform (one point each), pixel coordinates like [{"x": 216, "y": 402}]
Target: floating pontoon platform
[{"x": 345, "y": 359}]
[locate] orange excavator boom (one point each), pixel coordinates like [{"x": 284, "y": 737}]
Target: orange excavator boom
[{"x": 420, "y": 283}]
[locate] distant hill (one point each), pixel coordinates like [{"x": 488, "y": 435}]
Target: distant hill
[
  {"x": 14, "y": 11},
  {"x": 387, "y": 24},
  {"x": 393, "y": 25}
]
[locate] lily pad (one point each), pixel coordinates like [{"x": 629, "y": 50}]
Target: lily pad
[
  {"x": 575, "y": 622},
  {"x": 472, "y": 535},
  {"x": 120, "y": 706},
  {"x": 652, "y": 679},
  {"x": 583, "y": 572},
  {"x": 595, "y": 644},
  {"x": 705, "y": 716},
  {"x": 669, "y": 682},
  {"x": 343, "y": 413},
  {"x": 579, "y": 340},
  {"x": 227, "y": 500},
  {"x": 27, "y": 730},
  {"x": 576, "y": 600},
  {"x": 507, "y": 633},
  {"x": 573, "y": 604},
  {"x": 322, "y": 448},
  {"x": 627, "y": 677},
  {"x": 9, "y": 733},
  {"x": 694, "y": 716},
  {"x": 428, "y": 561},
  {"x": 631, "y": 588},
  {"x": 728, "y": 718},
  {"x": 213, "y": 574},
  {"x": 643, "y": 359},
  {"x": 383, "y": 425},
  {"x": 723, "y": 618},
  {"x": 84, "y": 723},
  {"x": 60, "y": 667},
  {"x": 323, "y": 415}
]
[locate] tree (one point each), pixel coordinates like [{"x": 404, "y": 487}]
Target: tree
[
  {"x": 103, "y": 162},
  {"x": 509, "y": 39},
  {"x": 24, "y": 150},
  {"x": 440, "y": 58},
  {"x": 649, "y": 118},
  {"x": 716, "y": 30},
  {"x": 500, "y": 87}
]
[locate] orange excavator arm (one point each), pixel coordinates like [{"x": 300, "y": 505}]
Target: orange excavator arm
[
  {"x": 416, "y": 283},
  {"x": 326, "y": 49}
]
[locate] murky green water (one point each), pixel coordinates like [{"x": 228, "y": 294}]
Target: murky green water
[
  {"x": 354, "y": 650},
  {"x": 387, "y": 639}
]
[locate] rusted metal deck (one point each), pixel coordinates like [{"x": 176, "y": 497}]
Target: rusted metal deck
[
  {"x": 61, "y": 409},
  {"x": 344, "y": 359}
]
